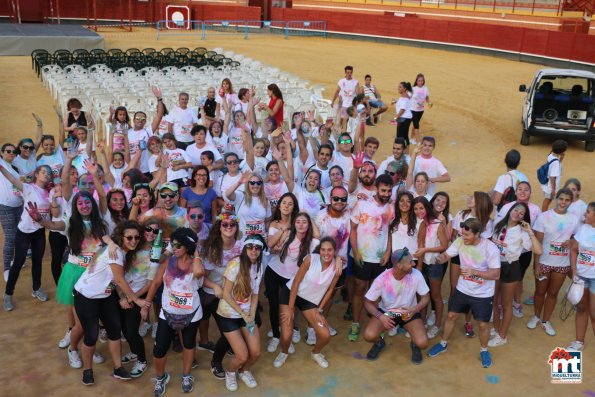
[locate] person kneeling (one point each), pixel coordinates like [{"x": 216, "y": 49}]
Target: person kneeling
[{"x": 397, "y": 288}]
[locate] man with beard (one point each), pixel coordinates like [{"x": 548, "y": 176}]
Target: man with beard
[
  {"x": 363, "y": 175},
  {"x": 370, "y": 243},
  {"x": 396, "y": 289}
]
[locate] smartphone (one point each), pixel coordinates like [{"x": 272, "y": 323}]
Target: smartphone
[{"x": 143, "y": 145}]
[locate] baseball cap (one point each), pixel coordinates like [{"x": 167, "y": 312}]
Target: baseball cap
[{"x": 169, "y": 185}]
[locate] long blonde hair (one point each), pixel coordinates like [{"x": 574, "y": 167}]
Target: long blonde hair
[
  {"x": 261, "y": 196},
  {"x": 242, "y": 288}
]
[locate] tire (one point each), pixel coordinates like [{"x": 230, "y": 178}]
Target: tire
[
  {"x": 525, "y": 138},
  {"x": 590, "y": 146}
]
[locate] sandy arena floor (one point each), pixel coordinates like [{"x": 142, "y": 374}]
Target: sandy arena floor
[{"x": 475, "y": 119}]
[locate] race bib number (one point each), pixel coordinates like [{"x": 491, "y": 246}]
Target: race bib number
[
  {"x": 254, "y": 227},
  {"x": 186, "y": 128},
  {"x": 85, "y": 258},
  {"x": 474, "y": 279},
  {"x": 556, "y": 249},
  {"x": 181, "y": 300},
  {"x": 586, "y": 258},
  {"x": 133, "y": 146},
  {"x": 501, "y": 245},
  {"x": 45, "y": 213}
]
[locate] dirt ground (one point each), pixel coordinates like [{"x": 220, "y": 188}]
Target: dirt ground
[{"x": 475, "y": 119}]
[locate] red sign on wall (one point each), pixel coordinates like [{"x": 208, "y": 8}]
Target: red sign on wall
[{"x": 178, "y": 17}]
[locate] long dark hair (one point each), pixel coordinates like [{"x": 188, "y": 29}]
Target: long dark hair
[
  {"x": 212, "y": 249},
  {"x": 304, "y": 244},
  {"x": 242, "y": 288},
  {"x": 504, "y": 221},
  {"x": 446, "y": 210},
  {"x": 118, "y": 216},
  {"x": 76, "y": 229},
  {"x": 118, "y": 237},
  {"x": 275, "y": 90},
  {"x": 147, "y": 187},
  {"x": 325, "y": 239},
  {"x": 411, "y": 221},
  {"x": 483, "y": 208},
  {"x": 294, "y": 213},
  {"x": 430, "y": 214}
]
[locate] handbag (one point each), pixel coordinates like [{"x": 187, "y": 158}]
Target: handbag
[{"x": 575, "y": 291}]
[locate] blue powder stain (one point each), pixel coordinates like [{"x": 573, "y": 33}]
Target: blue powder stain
[
  {"x": 330, "y": 384},
  {"x": 589, "y": 393},
  {"x": 493, "y": 379}
]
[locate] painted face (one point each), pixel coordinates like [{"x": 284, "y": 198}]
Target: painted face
[
  {"x": 131, "y": 239},
  {"x": 84, "y": 206},
  {"x": 398, "y": 150},
  {"x": 117, "y": 202},
  {"x": 440, "y": 204},
  {"x": 327, "y": 252},
  {"x": 419, "y": 210},
  {"x": 563, "y": 202},
  {"x": 404, "y": 204},
  {"x": 48, "y": 146},
  {"x": 324, "y": 156},
  {"x": 274, "y": 173},
  {"x": 151, "y": 232},
  {"x": 468, "y": 236},
  {"x": 201, "y": 177},
  {"x": 312, "y": 181},
  {"x": 301, "y": 224},
  {"x": 196, "y": 218},
  {"x": 383, "y": 193},
  {"x": 255, "y": 185},
  {"x": 178, "y": 248},
  {"x": 140, "y": 119},
  {"x": 259, "y": 149},
  {"x": 517, "y": 214},
  {"x": 86, "y": 183},
  {"x": 523, "y": 193},
  {"x": 286, "y": 206}
]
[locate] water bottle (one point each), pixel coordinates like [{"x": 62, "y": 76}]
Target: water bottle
[{"x": 157, "y": 248}]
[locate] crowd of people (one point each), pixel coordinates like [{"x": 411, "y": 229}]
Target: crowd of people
[{"x": 191, "y": 213}]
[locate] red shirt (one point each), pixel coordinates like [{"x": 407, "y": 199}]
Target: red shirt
[{"x": 279, "y": 115}]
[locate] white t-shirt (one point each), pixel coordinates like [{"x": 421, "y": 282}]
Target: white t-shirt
[
  {"x": 273, "y": 192},
  {"x": 585, "y": 260},
  {"x": 345, "y": 162},
  {"x": 194, "y": 153},
  {"x": 220, "y": 142},
  {"x": 511, "y": 178},
  {"x": 401, "y": 238},
  {"x": 55, "y": 161},
  {"x": 183, "y": 120},
  {"x": 578, "y": 208},
  {"x": 260, "y": 166},
  {"x": 26, "y": 167},
  {"x": 176, "y": 155},
  {"x": 534, "y": 212},
  {"x": 483, "y": 257},
  {"x": 336, "y": 228},
  {"x": 418, "y": 98},
  {"x": 310, "y": 202},
  {"x": 433, "y": 167},
  {"x": 81, "y": 155},
  {"x": 90, "y": 246},
  {"x": 512, "y": 243},
  {"x": 134, "y": 145},
  {"x": 554, "y": 171},
  {"x": 235, "y": 142},
  {"x": 373, "y": 220},
  {"x": 404, "y": 103},
  {"x": 216, "y": 272},
  {"x": 10, "y": 196},
  {"x": 97, "y": 280},
  {"x": 316, "y": 281},
  {"x": 180, "y": 292},
  {"x": 231, "y": 274},
  {"x": 232, "y": 96},
  {"x": 252, "y": 217},
  {"x": 163, "y": 127},
  {"x": 556, "y": 229},
  {"x": 459, "y": 217},
  {"x": 225, "y": 183},
  {"x": 432, "y": 241},
  {"x": 141, "y": 271},
  {"x": 347, "y": 91},
  {"x": 395, "y": 294},
  {"x": 34, "y": 194}
]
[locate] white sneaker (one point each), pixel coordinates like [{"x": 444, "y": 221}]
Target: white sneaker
[
  {"x": 143, "y": 329},
  {"x": 154, "y": 330},
  {"x": 102, "y": 335},
  {"x": 493, "y": 332},
  {"x": 311, "y": 336},
  {"x": 65, "y": 342},
  {"x": 392, "y": 331},
  {"x": 74, "y": 359},
  {"x": 273, "y": 345},
  {"x": 549, "y": 329},
  {"x": 433, "y": 332},
  {"x": 230, "y": 381},
  {"x": 291, "y": 349},
  {"x": 576, "y": 345},
  {"x": 532, "y": 324},
  {"x": 280, "y": 360},
  {"x": 248, "y": 379},
  {"x": 270, "y": 333},
  {"x": 332, "y": 331},
  {"x": 517, "y": 310},
  {"x": 296, "y": 337},
  {"x": 497, "y": 341},
  {"x": 319, "y": 358},
  {"x": 431, "y": 320},
  {"x": 128, "y": 358},
  {"x": 98, "y": 358}
]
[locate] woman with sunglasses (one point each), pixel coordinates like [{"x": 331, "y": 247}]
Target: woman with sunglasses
[
  {"x": 25, "y": 160},
  {"x": 512, "y": 235},
  {"x": 181, "y": 275},
  {"x": 233, "y": 175},
  {"x": 251, "y": 205},
  {"x": 29, "y": 232},
  {"x": 237, "y": 316},
  {"x": 554, "y": 230},
  {"x": 200, "y": 191},
  {"x": 11, "y": 205}
]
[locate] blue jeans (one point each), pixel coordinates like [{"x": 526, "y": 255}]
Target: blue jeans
[{"x": 9, "y": 218}]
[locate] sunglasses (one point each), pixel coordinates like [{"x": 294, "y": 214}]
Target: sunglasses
[
  {"x": 403, "y": 254},
  {"x": 341, "y": 199},
  {"x": 228, "y": 225},
  {"x": 343, "y": 141},
  {"x": 253, "y": 246},
  {"x": 150, "y": 229},
  {"x": 463, "y": 226},
  {"x": 197, "y": 216},
  {"x": 232, "y": 162},
  {"x": 139, "y": 185},
  {"x": 130, "y": 238},
  {"x": 10, "y": 151},
  {"x": 255, "y": 183},
  {"x": 166, "y": 195},
  {"x": 26, "y": 147},
  {"x": 177, "y": 245},
  {"x": 140, "y": 119}
]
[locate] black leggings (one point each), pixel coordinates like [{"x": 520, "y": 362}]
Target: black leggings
[
  {"x": 165, "y": 335},
  {"x": 222, "y": 345},
  {"x": 90, "y": 311},
  {"x": 130, "y": 322},
  {"x": 403, "y": 129},
  {"x": 36, "y": 241},
  {"x": 58, "y": 243},
  {"x": 273, "y": 284}
]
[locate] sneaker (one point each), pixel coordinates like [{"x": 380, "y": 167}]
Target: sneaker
[
  {"x": 160, "y": 383},
  {"x": 98, "y": 358},
  {"x": 416, "y": 357},
  {"x": 348, "y": 315},
  {"x": 549, "y": 329},
  {"x": 497, "y": 341},
  {"x": 273, "y": 345},
  {"x": 311, "y": 336},
  {"x": 270, "y": 333},
  {"x": 332, "y": 331},
  {"x": 469, "y": 330},
  {"x": 436, "y": 350},
  {"x": 217, "y": 370},
  {"x": 154, "y": 332},
  {"x": 128, "y": 358},
  {"x": 517, "y": 310},
  {"x": 486, "y": 359},
  {"x": 88, "y": 378},
  {"x": 529, "y": 301},
  {"x": 375, "y": 350},
  {"x": 353, "y": 332},
  {"x": 40, "y": 294},
  {"x": 433, "y": 332},
  {"x": 74, "y": 359},
  {"x": 230, "y": 381},
  {"x": 401, "y": 331},
  {"x": 280, "y": 360},
  {"x": 493, "y": 332},
  {"x": 138, "y": 369},
  {"x": 291, "y": 349},
  {"x": 194, "y": 364},
  {"x": 248, "y": 379},
  {"x": 65, "y": 342},
  {"x": 576, "y": 345},
  {"x": 320, "y": 359},
  {"x": 102, "y": 335},
  {"x": 187, "y": 383},
  {"x": 532, "y": 324},
  {"x": 393, "y": 331},
  {"x": 296, "y": 337},
  {"x": 121, "y": 373},
  {"x": 143, "y": 329},
  {"x": 177, "y": 344},
  {"x": 209, "y": 346},
  {"x": 8, "y": 305},
  {"x": 431, "y": 320}
]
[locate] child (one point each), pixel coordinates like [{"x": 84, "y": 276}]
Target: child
[
  {"x": 371, "y": 145},
  {"x": 207, "y": 158},
  {"x": 554, "y": 172},
  {"x": 121, "y": 122}
]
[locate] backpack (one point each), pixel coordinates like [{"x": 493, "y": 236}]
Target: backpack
[
  {"x": 509, "y": 194},
  {"x": 542, "y": 172}
]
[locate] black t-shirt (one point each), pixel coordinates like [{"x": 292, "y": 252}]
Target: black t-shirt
[
  {"x": 81, "y": 121},
  {"x": 210, "y": 107}
]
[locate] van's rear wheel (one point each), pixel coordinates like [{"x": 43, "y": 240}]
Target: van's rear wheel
[
  {"x": 590, "y": 146},
  {"x": 524, "y": 138}
]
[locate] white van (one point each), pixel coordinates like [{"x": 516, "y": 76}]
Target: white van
[{"x": 560, "y": 103}]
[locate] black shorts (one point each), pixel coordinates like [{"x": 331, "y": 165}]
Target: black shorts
[
  {"x": 227, "y": 324},
  {"x": 341, "y": 281},
  {"x": 368, "y": 271},
  {"x": 434, "y": 272},
  {"x": 455, "y": 260},
  {"x": 400, "y": 322},
  {"x": 525, "y": 262},
  {"x": 416, "y": 118},
  {"x": 209, "y": 303},
  {"x": 480, "y": 307},
  {"x": 300, "y": 302},
  {"x": 510, "y": 272}
]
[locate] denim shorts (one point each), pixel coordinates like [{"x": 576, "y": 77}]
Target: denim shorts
[
  {"x": 589, "y": 283},
  {"x": 375, "y": 103}
]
